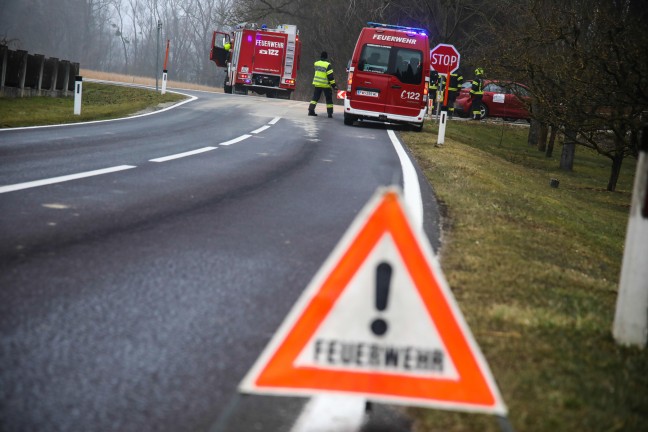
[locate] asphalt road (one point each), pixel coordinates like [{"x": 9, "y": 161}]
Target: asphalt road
[{"x": 146, "y": 262}]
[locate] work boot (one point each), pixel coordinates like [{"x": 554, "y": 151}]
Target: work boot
[
  {"x": 312, "y": 113},
  {"x": 330, "y": 115}
]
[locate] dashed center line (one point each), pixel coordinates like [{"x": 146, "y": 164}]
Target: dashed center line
[
  {"x": 53, "y": 180},
  {"x": 261, "y": 129},
  {"x": 61, "y": 179},
  {"x": 181, "y": 155},
  {"x": 235, "y": 140}
]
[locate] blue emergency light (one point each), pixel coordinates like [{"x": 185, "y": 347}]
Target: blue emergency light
[{"x": 396, "y": 27}]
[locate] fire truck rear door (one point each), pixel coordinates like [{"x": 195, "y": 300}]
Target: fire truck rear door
[
  {"x": 269, "y": 51},
  {"x": 370, "y": 81},
  {"x": 406, "y": 82}
]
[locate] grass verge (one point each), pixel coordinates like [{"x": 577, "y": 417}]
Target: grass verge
[
  {"x": 535, "y": 272},
  {"x": 99, "y": 102}
]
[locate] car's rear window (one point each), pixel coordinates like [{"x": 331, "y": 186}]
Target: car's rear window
[
  {"x": 403, "y": 63},
  {"x": 507, "y": 87}
]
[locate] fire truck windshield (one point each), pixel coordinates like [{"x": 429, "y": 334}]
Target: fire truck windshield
[{"x": 403, "y": 63}]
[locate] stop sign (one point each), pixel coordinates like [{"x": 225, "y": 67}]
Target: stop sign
[{"x": 444, "y": 58}]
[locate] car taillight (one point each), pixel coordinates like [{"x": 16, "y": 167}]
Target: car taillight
[
  {"x": 349, "y": 81},
  {"x": 244, "y": 76},
  {"x": 289, "y": 81}
]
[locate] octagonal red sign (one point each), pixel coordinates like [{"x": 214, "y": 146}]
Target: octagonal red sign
[{"x": 444, "y": 58}]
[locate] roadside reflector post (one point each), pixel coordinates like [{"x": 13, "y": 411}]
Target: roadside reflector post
[
  {"x": 442, "y": 126},
  {"x": 78, "y": 90},
  {"x": 631, "y": 318},
  {"x": 444, "y": 112},
  {"x": 164, "y": 81}
]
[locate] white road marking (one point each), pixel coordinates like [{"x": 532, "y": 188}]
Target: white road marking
[
  {"x": 328, "y": 413},
  {"x": 32, "y": 184},
  {"x": 331, "y": 414},
  {"x": 261, "y": 129},
  {"x": 235, "y": 140},
  {"x": 191, "y": 99},
  {"x": 274, "y": 120},
  {"x": 181, "y": 155},
  {"x": 411, "y": 187}
]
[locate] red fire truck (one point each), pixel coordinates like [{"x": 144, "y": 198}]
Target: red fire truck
[
  {"x": 259, "y": 59},
  {"x": 389, "y": 76}
]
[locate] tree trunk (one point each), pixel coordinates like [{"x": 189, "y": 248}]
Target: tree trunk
[
  {"x": 542, "y": 137},
  {"x": 568, "y": 151},
  {"x": 552, "y": 141},
  {"x": 532, "y": 139},
  {"x": 617, "y": 160}
]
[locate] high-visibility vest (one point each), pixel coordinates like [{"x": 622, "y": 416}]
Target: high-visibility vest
[
  {"x": 324, "y": 77},
  {"x": 455, "y": 81},
  {"x": 477, "y": 86}
]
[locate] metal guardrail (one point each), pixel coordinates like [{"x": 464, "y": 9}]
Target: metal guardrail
[{"x": 23, "y": 74}]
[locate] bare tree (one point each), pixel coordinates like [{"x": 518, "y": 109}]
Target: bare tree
[
  {"x": 586, "y": 62},
  {"x": 118, "y": 26}
]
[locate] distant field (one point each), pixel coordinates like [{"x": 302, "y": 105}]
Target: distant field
[{"x": 109, "y": 76}]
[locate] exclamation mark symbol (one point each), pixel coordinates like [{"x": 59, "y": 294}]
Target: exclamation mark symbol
[{"x": 383, "y": 278}]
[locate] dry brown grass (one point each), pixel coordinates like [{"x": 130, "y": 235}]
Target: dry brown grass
[{"x": 149, "y": 81}]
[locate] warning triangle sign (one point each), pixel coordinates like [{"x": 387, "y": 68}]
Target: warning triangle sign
[{"x": 379, "y": 320}]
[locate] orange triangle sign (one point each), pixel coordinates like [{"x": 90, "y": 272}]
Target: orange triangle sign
[{"x": 379, "y": 320}]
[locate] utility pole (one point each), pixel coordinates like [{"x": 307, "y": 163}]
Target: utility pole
[{"x": 157, "y": 56}]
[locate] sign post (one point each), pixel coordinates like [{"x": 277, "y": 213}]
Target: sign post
[
  {"x": 164, "y": 71},
  {"x": 444, "y": 59}
]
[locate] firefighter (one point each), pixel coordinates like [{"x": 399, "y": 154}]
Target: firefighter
[
  {"x": 323, "y": 81},
  {"x": 456, "y": 79},
  {"x": 476, "y": 93},
  {"x": 433, "y": 87}
]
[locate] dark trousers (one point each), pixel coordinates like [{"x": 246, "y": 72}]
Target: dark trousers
[
  {"x": 452, "y": 97},
  {"x": 474, "y": 107},
  {"x": 317, "y": 93}
]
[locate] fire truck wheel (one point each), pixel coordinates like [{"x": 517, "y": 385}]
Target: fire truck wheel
[
  {"x": 283, "y": 94},
  {"x": 349, "y": 119},
  {"x": 228, "y": 89},
  {"x": 239, "y": 89},
  {"x": 417, "y": 127}
]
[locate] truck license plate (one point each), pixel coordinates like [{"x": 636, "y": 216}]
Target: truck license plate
[{"x": 366, "y": 93}]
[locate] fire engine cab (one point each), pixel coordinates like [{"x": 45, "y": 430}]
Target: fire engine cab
[
  {"x": 388, "y": 76},
  {"x": 258, "y": 59}
]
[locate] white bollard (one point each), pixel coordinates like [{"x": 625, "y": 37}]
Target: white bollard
[
  {"x": 631, "y": 317},
  {"x": 442, "y": 127},
  {"x": 164, "y": 81},
  {"x": 78, "y": 90}
]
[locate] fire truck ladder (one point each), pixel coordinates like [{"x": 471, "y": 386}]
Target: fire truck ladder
[{"x": 291, "y": 30}]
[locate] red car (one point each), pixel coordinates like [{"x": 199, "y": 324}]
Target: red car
[{"x": 501, "y": 99}]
